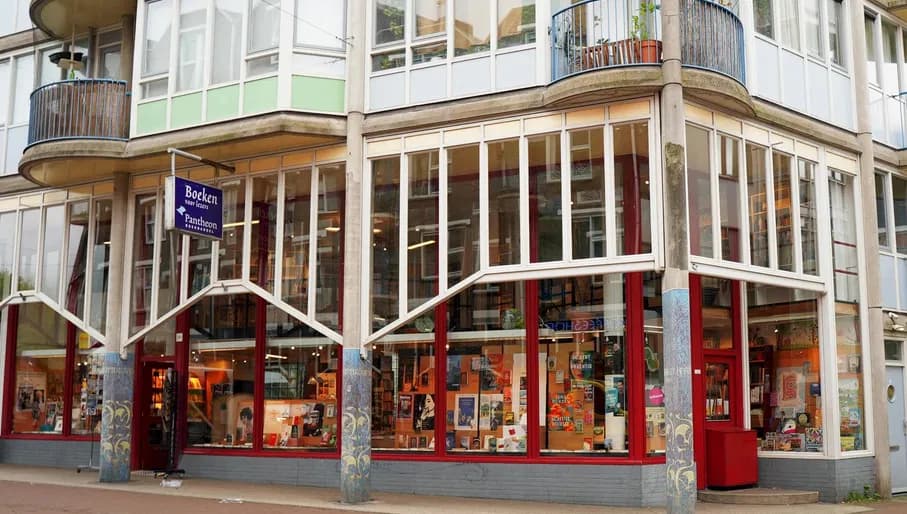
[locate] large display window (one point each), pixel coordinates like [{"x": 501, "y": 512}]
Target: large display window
[
  {"x": 258, "y": 378},
  {"x": 57, "y": 375}
]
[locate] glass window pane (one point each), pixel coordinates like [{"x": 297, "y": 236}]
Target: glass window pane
[
  {"x": 785, "y": 369},
  {"x": 764, "y": 21},
  {"x": 486, "y": 363},
  {"x": 422, "y": 238},
  {"x": 54, "y": 225},
  {"x": 844, "y": 236},
  {"x": 227, "y": 41},
  {"x": 404, "y": 390},
  {"x": 230, "y": 254},
  {"x": 76, "y": 253},
  {"x": 699, "y": 189},
  {"x": 631, "y": 188},
  {"x": 389, "y": 60},
  {"x": 221, "y": 380},
  {"x": 87, "y": 385},
  {"x": 329, "y": 263},
  {"x": 264, "y": 231},
  {"x": 385, "y": 291},
  {"x": 789, "y": 15},
  {"x": 729, "y": 198},
  {"x": 656, "y": 427},
  {"x": 430, "y": 52},
  {"x": 390, "y": 20},
  {"x": 582, "y": 339},
  {"x": 262, "y": 65},
  {"x": 893, "y": 350},
  {"x": 29, "y": 223},
  {"x": 781, "y": 169},
  {"x": 320, "y": 24},
  {"x": 516, "y": 22},
  {"x": 170, "y": 259},
  {"x": 545, "y": 225},
  {"x": 25, "y": 79},
  {"x": 264, "y": 25},
  {"x": 851, "y": 394},
  {"x": 890, "y": 58},
  {"x": 462, "y": 213},
  {"x": 503, "y": 202},
  {"x": 297, "y": 228},
  {"x": 808, "y": 220},
  {"x": 157, "y": 38},
  {"x": 882, "y": 211},
  {"x": 300, "y": 389},
  {"x": 430, "y": 17},
  {"x": 836, "y": 31},
  {"x": 756, "y": 189},
  {"x": 8, "y": 228},
  {"x": 812, "y": 28},
  {"x": 154, "y": 88},
  {"x": 41, "y": 341},
  {"x": 587, "y": 183},
  {"x": 717, "y": 316},
  {"x": 4, "y": 91},
  {"x": 109, "y": 67},
  {"x": 191, "y": 54},
  {"x": 100, "y": 263},
  {"x": 473, "y": 30},
  {"x": 872, "y": 72},
  {"x": 16, "y": 141},
  {"x": 899, "y": 194}
]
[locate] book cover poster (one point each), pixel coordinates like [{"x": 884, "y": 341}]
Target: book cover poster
[
  {"x": 454, "y": 369},
  {"x": 491, "y": 411},
  {"x": 492, "y": 372},
  {"x": 405, "y": 406},
  {"x": 560, "y": 413},
  {"x": 614, "y": 393},
  {"x": 791, "y": 388},
  {"x": 581, "y": 366},
  {"x": 424, "y": 413},
  {"x": 466, "y": 412}
]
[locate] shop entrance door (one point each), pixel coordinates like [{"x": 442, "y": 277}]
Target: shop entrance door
[
  {"x": 153, "y": 439},
  {"x": 897, "y": 428}
]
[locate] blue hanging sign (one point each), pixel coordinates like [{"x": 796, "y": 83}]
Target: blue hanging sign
[{"x": 193, "y": 208}]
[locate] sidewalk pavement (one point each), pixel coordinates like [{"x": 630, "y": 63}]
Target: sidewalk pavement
[{"x": 327, "y": 498}]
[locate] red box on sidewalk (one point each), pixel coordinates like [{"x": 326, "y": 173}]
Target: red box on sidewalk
[{"x": 731, "y": 458}]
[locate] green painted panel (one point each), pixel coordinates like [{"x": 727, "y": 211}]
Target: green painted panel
[
  {"x": 187, "y": 110},
  {"x": 260, "y": 96},
  {"x": 318, "y": 94},
  {"x": 151, "y": 117},
  {"x": 223, "y": 103}
]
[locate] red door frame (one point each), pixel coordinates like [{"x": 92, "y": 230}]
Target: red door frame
[{"x": 699, "y": 356}]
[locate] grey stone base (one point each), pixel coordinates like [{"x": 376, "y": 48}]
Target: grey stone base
[
  {"x": 631, "y": 486},
  {"x": 833, "y": 479},
  {"x": 48, "y": 453}
]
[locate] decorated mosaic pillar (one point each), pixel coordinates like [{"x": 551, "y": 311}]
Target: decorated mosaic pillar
[
  {"x": 356, "y": 456},
  {"x": 119, "y": 368},
  {"x": 679, "y": 462},
  {"x": 116, "y": 418}
]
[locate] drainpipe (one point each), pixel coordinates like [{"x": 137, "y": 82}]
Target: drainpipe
[
  {"x": 870, "y": 253},
  {"x": 680, "y": 466},
  {"x": 356, "y": 451}
]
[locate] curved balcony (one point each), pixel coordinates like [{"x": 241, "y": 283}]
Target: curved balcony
[
  {"x": 598, "y": 34},
  {"x": 712, "y": 38},
  {"x": 62, "y": 18},
  {"x": 79, "y": 109}
]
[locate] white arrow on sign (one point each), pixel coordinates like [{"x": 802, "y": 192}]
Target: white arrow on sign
[{"x": 181, "y": 210}]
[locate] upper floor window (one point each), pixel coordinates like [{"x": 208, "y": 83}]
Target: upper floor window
[
  {"x": 264, "y": 25},
  {"x": 17, "y": 19},
  {"x": 319, "y": 28},
  {"x": 469, "y": 26},
  {"x": 820, "y": 34}
]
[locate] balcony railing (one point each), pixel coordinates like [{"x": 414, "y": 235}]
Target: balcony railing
[
  {"x": 80, "y": 109},
  {"x": 597, "y": 34},
  {"x": 712, "y": 38}
]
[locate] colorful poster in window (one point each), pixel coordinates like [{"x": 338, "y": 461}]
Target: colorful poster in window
[
  {"x": 491, "y": 411},
  {"x": 791, "y": 388},
  {"x": 466, "y": 412},
  {"x": 561, "y": 412},
  {"x": 492, "y": 372},
  {"x": 581, "y": 366},
  {"x": 614, "y": 394},
  {"x": 405, "y": 406},
  {"x": 424, "y": 413}
]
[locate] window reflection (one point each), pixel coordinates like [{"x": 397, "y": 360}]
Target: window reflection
[{"x": 503, "y": 202}]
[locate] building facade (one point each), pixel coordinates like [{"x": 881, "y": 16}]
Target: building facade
[{"x": 422, "y": 201}]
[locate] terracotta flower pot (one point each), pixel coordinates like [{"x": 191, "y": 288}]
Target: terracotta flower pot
[{"x": 648, "y": 51}]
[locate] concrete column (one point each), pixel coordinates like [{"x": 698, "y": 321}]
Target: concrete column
[
  {"x": 680, "y": 465},
  {"x": 116, "y": 413},
  {"x": 356, "y": 450},
  {"x": 871, "y": 255}
]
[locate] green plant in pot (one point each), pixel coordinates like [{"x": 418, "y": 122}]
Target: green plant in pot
[{"x": 647, "y": 48}]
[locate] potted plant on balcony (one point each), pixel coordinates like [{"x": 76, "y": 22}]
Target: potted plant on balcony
[{"x": 646, "y": 48}]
